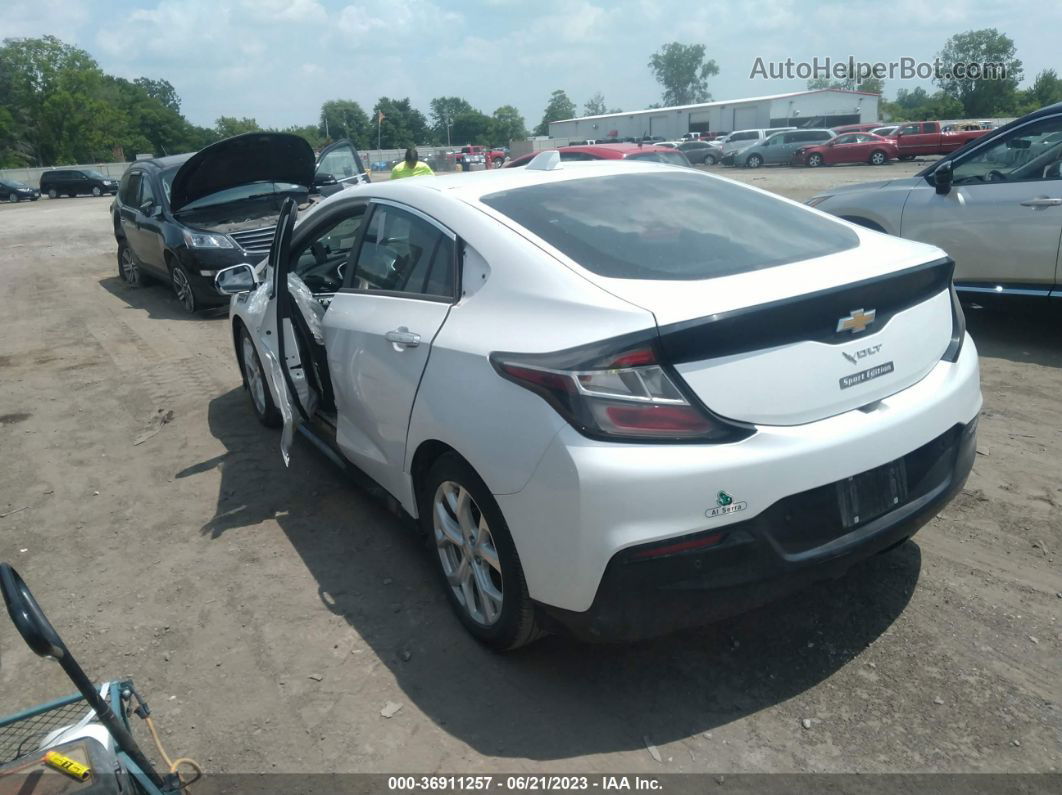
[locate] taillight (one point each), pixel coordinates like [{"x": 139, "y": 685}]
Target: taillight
[
  {"x": 624, "y": 393},
  {"x": 958, "y": 329}
]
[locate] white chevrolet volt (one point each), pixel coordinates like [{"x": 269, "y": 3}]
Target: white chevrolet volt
[{"x": 619, "y": 398}]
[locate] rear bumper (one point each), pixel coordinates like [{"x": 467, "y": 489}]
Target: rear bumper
[{"x": 792, "y": 544}]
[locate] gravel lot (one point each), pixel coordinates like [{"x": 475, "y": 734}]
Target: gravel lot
[{"x": 269, "y": 615}]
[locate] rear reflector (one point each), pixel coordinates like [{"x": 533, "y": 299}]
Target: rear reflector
[{"x": 681, "y": 546}]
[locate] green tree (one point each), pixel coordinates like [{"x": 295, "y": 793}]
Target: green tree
[
  {"x": 1045, "y": 90},
  {"x": 508, "y": 126},
  {"x": 918, "y": 105},
  {"x": 444, "y": 110},
  {"x": 990, "y": 95},
  {"x": 162, "y": 91},
  {"x": 683, "y": 71},
  {"x": 559, "y": 107},
  {"x": 344, "y": 118},
  {"x": 402, "y": 125},
  {"x": 471, "y": 127},
  {"x": 594, "y": 106},
  {"x": 228, "y": 126}
]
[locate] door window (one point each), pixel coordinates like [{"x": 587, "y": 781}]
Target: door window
[
  {"x": 322, "y": 260},
  {"x": 342, "y": 163},
  {"x": 403, "y": 253},
  {"x": 147, "y": 196},
  {"x": 129, "y": 191},
  {"x": 1031, "y": 153},
  {"x": 909, "y": 129},
  {"x": 846, "y": 139}
]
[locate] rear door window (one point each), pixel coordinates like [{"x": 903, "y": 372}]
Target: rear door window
[
  {"x": 129, "y": 190},
  {"x": 677, "y": 225}
]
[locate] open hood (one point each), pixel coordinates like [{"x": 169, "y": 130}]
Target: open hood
[{"x": 240, "y": 160}]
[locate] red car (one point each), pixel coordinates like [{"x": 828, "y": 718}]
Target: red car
[
  {"x": 857, "y": 147},
  {"x": 660, "y": 154}
]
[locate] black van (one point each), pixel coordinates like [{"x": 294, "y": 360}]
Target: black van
[{"x": 76, "y": 182}]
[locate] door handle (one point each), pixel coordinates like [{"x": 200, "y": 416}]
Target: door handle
[
  {"x": 1042, "y": 201},
  {"x": 403, "y": 336}
]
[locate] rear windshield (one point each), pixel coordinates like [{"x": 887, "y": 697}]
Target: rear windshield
[{"x": 675, "y": 225}]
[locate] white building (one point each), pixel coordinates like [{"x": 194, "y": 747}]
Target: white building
[{"x": 828, "y": 107}]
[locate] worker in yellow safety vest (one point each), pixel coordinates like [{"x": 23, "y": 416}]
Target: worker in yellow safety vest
[{"x": 411, "y": 166}]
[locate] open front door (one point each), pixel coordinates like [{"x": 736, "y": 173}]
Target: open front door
[{"x": 339, "y": 166}]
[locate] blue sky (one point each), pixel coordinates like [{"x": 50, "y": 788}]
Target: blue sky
[{"x": 278, "y": 60}]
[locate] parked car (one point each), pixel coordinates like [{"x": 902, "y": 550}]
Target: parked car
[
  {"x": 779, "y": 148},
  {"x": 700, "y": 152},
  {"x": 995, "y": 207},
  {"x": 858, "y": 147},
  {"x": 181, "y": 219},
  {"x": 743, "y": 139},
  {"x": 13, "y": 190},
  {"x": 618, "y": 398},
  {"x": 652, "y": 152},
  {"x": 925, "y": 138},
  {"x": 76, "y": 182}
]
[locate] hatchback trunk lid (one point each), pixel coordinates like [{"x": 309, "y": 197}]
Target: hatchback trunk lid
[{"x": 242, "y": 160}]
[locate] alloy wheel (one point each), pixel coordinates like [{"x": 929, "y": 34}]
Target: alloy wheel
[
  {"x": 53, "y": 193},
  {"x": 467, "y": 552},
  {"x": 815, "y": 161},
  {"x": 755, "y": 161},
  {"x": 130, "y": 270},
  {"x": 183, "y": 289},
  {"x": 253, "y": 373},
  {"x": 878, "y": 158},
  {"x": 12, "y": 197},
  {"x": 97, "y": 192}
]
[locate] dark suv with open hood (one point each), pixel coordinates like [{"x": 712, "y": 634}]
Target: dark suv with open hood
[{"x": 181, "y": 219}]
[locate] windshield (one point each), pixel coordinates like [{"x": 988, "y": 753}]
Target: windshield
[
  {"x": 671, "y": 158},
  {"x": 14, "y": 183},
  {"x": 250, "y": 191},
  {"x": 674, "y": 225}
]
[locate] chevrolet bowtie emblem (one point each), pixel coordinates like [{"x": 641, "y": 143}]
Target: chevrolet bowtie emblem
[{"x": 857, "y": 321}]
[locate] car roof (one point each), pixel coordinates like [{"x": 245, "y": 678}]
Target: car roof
[
  {"x": 614, "y": 150},
  {"x": 162, "y": 163}
]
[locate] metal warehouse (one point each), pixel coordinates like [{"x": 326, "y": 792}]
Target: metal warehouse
[{"x": 828, "y": 107}]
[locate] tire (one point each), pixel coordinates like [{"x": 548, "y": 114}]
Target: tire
[
  {"x": 97, "y": 192},
  {"x": 53, "y": 193},
  {"x": 254, "y": 381},
  {"x": 753, "y": 161},
  {"x": 13, "y": 198},
  {"x": 452, "y": 489},
  {"x": 128, "y": 268},
  {"x": 878, "y": 158},
  {"x": 906, "y": 157},
  {"x": 814, "y": 160},
  {"x": 710, "y": 160},
  {"x": 182, "y": 288}
]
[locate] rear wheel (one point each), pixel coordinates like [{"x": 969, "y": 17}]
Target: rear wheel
[
  {"x": 878, "y": 158},
  {"x": 182, "y": 288},
  {"x": 254, "y": 378},
  {"x": 12, "y": 197},
  {"x": 128, "y": 268},
  {"x": 754, "y": 161},
  {"x": 53, "y": 193},
  {"x": 97, "y": 192},
  {"x": 814, "y": 160},
  {"x": 710, "y": 160},
  {"x": 480, "y": 569}
]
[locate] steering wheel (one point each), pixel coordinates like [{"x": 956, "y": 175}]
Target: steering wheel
[{"x": 995, "y": 176}]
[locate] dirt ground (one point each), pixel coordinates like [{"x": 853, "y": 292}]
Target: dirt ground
[{"x": 269, "y": 615}]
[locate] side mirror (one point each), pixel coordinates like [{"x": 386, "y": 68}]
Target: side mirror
[
  {"x": 235, "y": 280},
  {"x": 150, "y": 209},
  {"x": 323, "y": 179},
  {"x": 27, "y": 616},
  {"x": 942, "y": 178}
]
